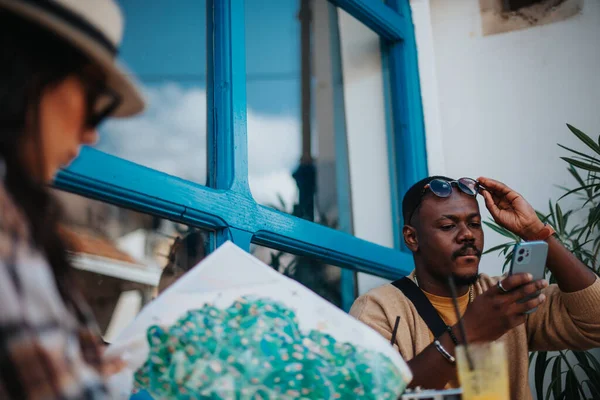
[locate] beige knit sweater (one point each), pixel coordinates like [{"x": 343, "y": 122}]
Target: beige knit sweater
[{"x": 563, "y": 321}]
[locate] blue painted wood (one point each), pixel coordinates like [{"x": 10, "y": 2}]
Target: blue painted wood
[
  {"x": 108, "y": 178},
  {"x": 241, "y": 238},
  {"x": 349, "y": 290},
  {"x": 133, "y": 186},
  {"x": 396, "y": 198},
  {"x": 334, "y": 247},
  {"x": 227, "y": 74},
  {"x": 212, "y": 157},
  {"x": 375, "y": 14},
  {"x": 228, "y": 207},
  {"x": 407, "y": 110}
]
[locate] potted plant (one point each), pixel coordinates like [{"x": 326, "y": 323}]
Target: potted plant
[{"x": 572, "y": 374}]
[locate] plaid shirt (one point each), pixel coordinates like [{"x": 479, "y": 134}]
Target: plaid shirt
[{"x": 48, "y": 349}]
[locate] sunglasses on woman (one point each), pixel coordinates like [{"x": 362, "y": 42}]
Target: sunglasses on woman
[
  {"x": 443, "y": 188},
  {"x": 101, "y": 101}
]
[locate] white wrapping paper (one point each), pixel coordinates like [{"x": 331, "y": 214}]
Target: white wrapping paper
[{"x": 236, "y": 342}]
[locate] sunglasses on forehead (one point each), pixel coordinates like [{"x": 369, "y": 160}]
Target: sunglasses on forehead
[{"x": 443, "y": 188}]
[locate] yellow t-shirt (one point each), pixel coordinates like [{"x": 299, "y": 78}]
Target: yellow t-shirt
[{"x": 445, "y": 308}]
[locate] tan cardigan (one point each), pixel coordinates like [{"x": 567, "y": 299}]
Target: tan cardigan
[{"x": 563, "y": 321}]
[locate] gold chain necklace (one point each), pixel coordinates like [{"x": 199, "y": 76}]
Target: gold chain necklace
[{"x": 471, "y": 295}]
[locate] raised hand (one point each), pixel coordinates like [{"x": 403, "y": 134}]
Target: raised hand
[{"x": 509, "y": 209}]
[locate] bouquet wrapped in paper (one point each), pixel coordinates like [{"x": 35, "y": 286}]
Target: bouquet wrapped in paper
[{"x": 233, "y": 328}]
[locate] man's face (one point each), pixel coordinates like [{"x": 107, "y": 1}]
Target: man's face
[{"x": 450, "y": 236}]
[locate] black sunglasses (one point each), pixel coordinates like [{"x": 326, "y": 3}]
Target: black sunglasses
[
  {"x": 443, "y": 188},
  {"x": 101, "y": 101}
]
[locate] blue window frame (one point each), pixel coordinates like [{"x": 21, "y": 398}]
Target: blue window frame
[{"x": 226, "y": 204}]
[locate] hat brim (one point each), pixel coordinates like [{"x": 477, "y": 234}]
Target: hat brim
[{"x": 117, "y": 76}]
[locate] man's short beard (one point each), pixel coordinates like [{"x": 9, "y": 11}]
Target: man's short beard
[{"x": 465, "y": 280}]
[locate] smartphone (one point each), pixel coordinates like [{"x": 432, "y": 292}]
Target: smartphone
[{"x": 530, "y": 257}]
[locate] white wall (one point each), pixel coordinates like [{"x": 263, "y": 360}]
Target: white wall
[
  {"x": 497, "y": 105},
  {"x": 366, "y": 133}
]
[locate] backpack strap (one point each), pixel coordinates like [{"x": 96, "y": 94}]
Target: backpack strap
[{"x": 423, "y": 305}]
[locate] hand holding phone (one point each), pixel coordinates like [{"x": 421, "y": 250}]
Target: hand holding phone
[{"x": 530, "y": 257}]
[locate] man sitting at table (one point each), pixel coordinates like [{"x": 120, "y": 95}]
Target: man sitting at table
[{"x": 443, "y": 230}]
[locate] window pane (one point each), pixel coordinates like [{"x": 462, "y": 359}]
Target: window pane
[
  {"x": 165, "y": 47},
  {"x": 273, "y": 95},
  {"x": 296, "y": 163},
  {"x": 331, "y": 282},
  {"x": 368, "y": 119},
  {"x": 123, "y": 258}
]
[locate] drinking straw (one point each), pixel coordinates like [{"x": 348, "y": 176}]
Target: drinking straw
[
  {"x": 395, "y": 331},
  {"x": 461, "y": 326}
]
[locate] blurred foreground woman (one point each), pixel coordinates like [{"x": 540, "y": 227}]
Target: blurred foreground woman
[{"x": 58, "y": 81}]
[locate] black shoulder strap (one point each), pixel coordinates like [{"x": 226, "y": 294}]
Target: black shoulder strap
[{"x": 422, "y": 304}]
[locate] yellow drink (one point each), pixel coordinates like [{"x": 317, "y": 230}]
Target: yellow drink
[{"x": 489, "y": 378}]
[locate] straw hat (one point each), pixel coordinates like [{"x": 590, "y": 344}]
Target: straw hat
[{"x": 95, "y": 27}]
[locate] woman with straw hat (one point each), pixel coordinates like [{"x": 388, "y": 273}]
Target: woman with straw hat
[{"x": 58, "y": 81}]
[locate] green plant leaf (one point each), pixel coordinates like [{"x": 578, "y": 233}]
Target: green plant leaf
[
  {"x": 579, "y": 153},
  {"x": 592, "y": 374},
  {"x": 581, "y": 164},
  {"x": 507, "y": 261},
  {"x": 541, "y": 216},
  {"x": 497, "y": 248},
  {"x": 588, "y": 141},
  {"x": 502, "y": 231},
  {"x": 560, "y": 219},
  {"x": 541, "y": 364},
  {"x": 593, "y": 387},
  {"x": 594, "y": 362},
  {"x": 551, "y": 216},
  {"x": 593, "y": 218},
  {"x": 572, "y": 386},
  {"x": 578, "y": 246},
  {"x": 532, "y": 357},
  {"x": 576, "y": 175},
  {"x": 556, "y": 384}
]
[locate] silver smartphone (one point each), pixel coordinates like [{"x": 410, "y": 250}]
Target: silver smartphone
[{"x": 530, "y": 257}]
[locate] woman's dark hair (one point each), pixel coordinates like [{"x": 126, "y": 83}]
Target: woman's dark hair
[{"x": 33, "y": 60}]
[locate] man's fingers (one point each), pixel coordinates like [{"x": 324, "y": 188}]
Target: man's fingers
[
  {"x": 498, "y": 190},
  {"x": 494, "y": 186},
  {"x": 530, "y": 304},
  {"x": 527, "y": 290},
  {"x": 514, "y": 281},
  {"x": 490, "y": 203}
]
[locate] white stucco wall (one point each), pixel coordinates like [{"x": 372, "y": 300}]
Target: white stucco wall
[{"x": 497, "y": 105}]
